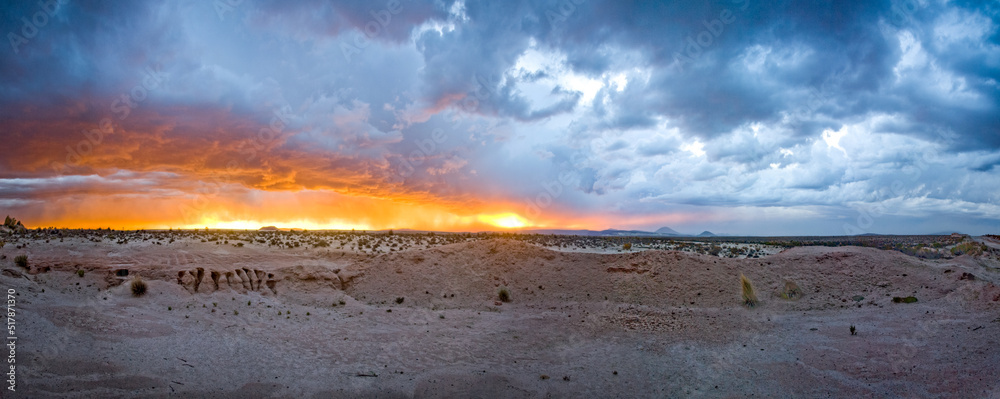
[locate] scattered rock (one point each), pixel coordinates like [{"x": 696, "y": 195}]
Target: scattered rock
[{"x": 12, "y": 273}]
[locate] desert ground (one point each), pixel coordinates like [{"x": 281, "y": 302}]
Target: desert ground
[{"x": 304, "y": 315}]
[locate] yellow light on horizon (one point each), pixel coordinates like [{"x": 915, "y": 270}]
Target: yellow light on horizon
[
  {"x": 505, "y": 220},
  {"x": 295, "y": 224}
]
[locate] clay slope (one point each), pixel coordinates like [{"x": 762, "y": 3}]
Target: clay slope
[{"x": 467, "y": 274}]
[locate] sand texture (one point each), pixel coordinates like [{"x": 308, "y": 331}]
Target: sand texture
[{"x": 426, "y": 320}]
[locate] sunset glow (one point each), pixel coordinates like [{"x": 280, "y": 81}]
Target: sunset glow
[
  {"x": 296, "y": 224},
  {"x": 505, "y": 220},
  {"x": 500, "y": 198},
  {"x": 275, "y": 115}
]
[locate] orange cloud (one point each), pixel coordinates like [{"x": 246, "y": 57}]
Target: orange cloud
[{"x": 238, "y": 208}]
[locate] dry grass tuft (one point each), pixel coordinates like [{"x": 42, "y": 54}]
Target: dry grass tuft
[
  {"x": 749, "y": 294},
  {"x": 792, "y": 291},
  {"x": 21, "y": 260},
  {"x": 138, "y": 286},
  {"x": 504, "y": 294}
]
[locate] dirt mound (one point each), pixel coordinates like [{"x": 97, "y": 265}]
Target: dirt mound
[
  {"x": 856, "y": 276},
  {"x": 326, "y": 322},
  {"x": 472, "y": 273},
  {"x": 467, "y": 274}
]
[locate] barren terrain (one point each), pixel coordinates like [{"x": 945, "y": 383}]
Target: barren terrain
[{"x": 282, "y": 315}]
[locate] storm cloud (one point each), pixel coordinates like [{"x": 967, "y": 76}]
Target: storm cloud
[{"x": 741, "y": 117}]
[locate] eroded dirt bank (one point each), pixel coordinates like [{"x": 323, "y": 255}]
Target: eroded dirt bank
[{"x": 255, "y": 322}]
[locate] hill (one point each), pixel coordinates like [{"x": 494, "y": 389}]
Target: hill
[{"x": 667, "y": 231}]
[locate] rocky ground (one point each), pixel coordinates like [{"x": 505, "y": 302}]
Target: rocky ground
[{"x": 426, "y": 320}]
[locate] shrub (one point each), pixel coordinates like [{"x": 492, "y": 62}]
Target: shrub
[
  {"x": 400, "y": 300},
  {"x": 79, "y": 272},
  {"x": 714, "y": 250},
  {"x": 138, "y": 286},
  {"x": 908, "y": 299},
  {"x": 792, "y": 291},
  {"x": 749, "y": 295},
  {"x": 504, "y": 294},
  {"x": 627, "y": 246},
  {"x": 21, "y": 260},
  {"x": 969, "y": 248}
]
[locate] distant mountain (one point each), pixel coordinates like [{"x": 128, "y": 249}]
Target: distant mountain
[
  {"x": 268, "y": 228},
  {"x": 706, "y": 233},
  {"x": 561, "y": 232},
  {"x": 608, "y": 232},
  {"x": 616, "y": 232},
  {"x": 667, "y": 231},
  {"x": 944, "y": 233}
]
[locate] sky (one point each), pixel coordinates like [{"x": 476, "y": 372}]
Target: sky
[{"x": 733, "y": 116}]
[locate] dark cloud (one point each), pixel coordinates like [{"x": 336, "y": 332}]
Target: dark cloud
[{"x": 650, "y": 107}]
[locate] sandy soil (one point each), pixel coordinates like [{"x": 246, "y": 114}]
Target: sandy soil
[
  {"x": 426, "y": 322},
  {"x": 729, "y": 250}
]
